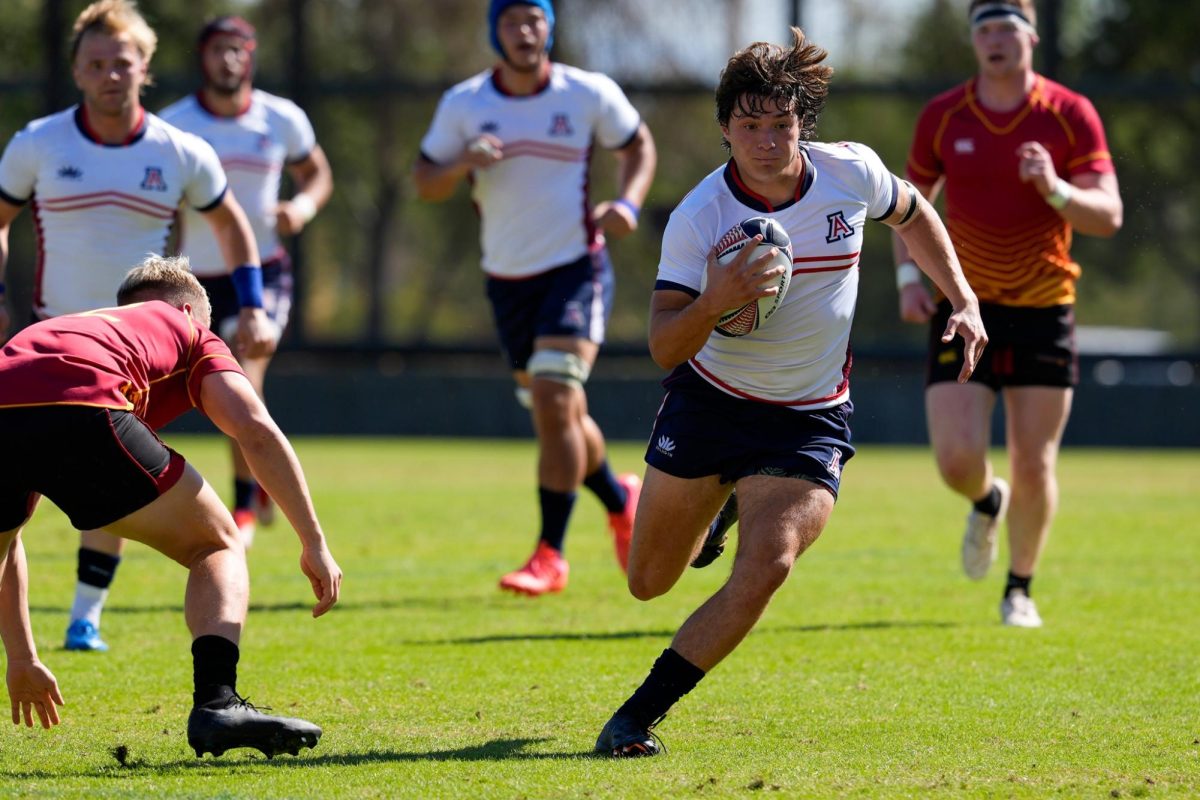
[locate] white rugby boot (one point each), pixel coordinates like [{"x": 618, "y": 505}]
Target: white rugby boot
[
  {"x": 981, "y": 540},
  {"x": 1018, "y": 610}
]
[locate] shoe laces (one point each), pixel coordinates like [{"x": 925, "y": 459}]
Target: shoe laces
[{"x": 237, "y": 701}]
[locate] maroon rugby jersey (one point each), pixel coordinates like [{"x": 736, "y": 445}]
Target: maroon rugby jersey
[{"x": 148, "y": 358}]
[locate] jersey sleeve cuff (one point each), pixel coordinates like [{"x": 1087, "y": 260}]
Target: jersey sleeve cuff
[
  {"x": 12, "y": 201},
  {"x": 214, "y": 203},
  {"x": 671, "y": 286},
  {"x": 629, "y": 139}
]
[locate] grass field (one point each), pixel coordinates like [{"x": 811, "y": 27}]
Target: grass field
[{"x": 879, "y": 671}]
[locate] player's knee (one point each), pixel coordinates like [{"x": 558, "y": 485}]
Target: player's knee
[
  {"x": 643, "y": 588},
  {"x": 958, "y": 467},
  {"x": 209, "y": 542},
  {"x": 559, "y": 366},
  {"x": 762, "y": 577}
]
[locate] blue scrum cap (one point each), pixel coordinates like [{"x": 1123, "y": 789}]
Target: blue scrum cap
[{"x": 497, "y": 8}]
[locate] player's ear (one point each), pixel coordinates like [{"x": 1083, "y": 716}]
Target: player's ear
[{"x": 187, "y": 309}]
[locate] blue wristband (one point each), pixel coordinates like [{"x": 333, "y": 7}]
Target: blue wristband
[
  {"x": 247, "y": 282},
  {"x": 621, "y": 201}
]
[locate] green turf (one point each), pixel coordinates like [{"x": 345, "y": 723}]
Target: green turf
[{"x": 879, "y": 671}]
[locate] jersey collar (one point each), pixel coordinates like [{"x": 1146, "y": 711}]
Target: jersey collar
[
  {"x": 212, "y": 112},
  {"x": 135, "y": 136},
  {"x": 748, "y": 197},
  {"x": 498, "y": 85}
]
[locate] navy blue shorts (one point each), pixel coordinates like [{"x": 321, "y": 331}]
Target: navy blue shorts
[
  {"x": 701, "y": 431},
  {"x": 95, "y": 464},
  {"x": 1026, "y": 347},
  {"x": 571, "y": 300},
  {"x": 277, "y": 294}
]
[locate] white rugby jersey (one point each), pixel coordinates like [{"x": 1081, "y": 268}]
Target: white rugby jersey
[
  {"x": 100, "y": 209},
  {"x": 533, "y": 203},
  {"x": 800, "y": 357},
  {"x": 254, "y": 147}
]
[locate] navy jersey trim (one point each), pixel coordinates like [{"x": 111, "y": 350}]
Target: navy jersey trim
[
  {"x": 291, "y": 162},
  {"x": 671, "y": 286},
  {"x": 214, "y": 203},
  {"x": 12, "y": 201},
  {"x": 895, "y": 199},
  {"x": 632, "y": 136}
]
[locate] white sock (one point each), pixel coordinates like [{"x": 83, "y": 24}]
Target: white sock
[{"x": 89, "y": 602}]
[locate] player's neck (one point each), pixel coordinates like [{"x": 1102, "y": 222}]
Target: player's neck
[
  {"x": 523, "y": 82},
  {"x": 226, "y": 104},
  {"x": 778, "y": 189},
  {"x": 113, "y": 127},
  {"x": 996, "y": 93}
]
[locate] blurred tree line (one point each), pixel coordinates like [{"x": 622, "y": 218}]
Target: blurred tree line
[{"x": 380, "y": 269}]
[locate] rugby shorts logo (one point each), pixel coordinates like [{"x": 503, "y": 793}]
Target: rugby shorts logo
[
  {"x": 154, "y": 180},
  {"x": 835, "y": 464},
  {"x": 666, "y": 445},
  {"x": 70, "y": 172},
  {"x": 572, "y": 316},
  {"x": 964, "y": 145}
]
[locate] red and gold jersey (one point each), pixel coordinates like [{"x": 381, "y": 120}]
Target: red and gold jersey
[
  {"x": 1014, "y": 248},
  {"x": 148, "y": 358}
]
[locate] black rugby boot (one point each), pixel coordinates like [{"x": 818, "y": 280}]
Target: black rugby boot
[
  {"x": 237, "y": 723},
  {"x": 624, "y": 737}
]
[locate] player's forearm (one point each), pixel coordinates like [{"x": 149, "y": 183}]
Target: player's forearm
[
  {"x": 234, "y": 234},
  {"x": 928, "y": 243},
  {"x": 316, "y": 180},
  {"x": 437, "y": 182},
  {"x": 1094, "y": 212},
  {"x": 15, "y": 628},
  {"x": 277, "y": 469},
  {"x": 678, "y": 333}
]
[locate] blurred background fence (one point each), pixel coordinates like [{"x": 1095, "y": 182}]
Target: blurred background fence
[{"x": 391, "y": 286}]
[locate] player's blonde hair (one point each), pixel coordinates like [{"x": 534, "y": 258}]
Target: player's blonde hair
[
  {"x": 169, "y": 279},
  {"x": 115, "y": 18},
  {"x": 1026, "y": 7}
]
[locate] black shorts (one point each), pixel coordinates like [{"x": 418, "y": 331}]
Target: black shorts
[
  {"x": 572, "y": 300},
  {"x": 701, "y": 431},
  {"x": 1026, "y": 347},
  {"x": 95, "y": 464}
]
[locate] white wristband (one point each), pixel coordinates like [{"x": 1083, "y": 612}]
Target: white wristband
[
  {"x": 1061, "y": 195},
  {"x": 305, "y": 206},
  {"x": 907, "y": 273}
]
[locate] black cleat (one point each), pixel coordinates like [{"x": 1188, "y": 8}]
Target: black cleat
[
  {"x": 625, "y": 737},
  {"x": 718, "y": 533},
  {"x": 239, "y": 724}
]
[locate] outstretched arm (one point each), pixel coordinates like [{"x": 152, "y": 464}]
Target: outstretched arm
[
  {"x": 924, "y": 236},
  {"x": 231, "y": 403},
  {"x": 31, "y": 687}
]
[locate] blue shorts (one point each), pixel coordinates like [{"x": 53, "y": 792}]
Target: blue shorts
[
  {"x": 277, "y": 293},
  {"x": 572, "y": 300},
  {"x": 701, "y": 431}
]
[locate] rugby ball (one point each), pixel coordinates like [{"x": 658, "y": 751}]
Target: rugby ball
[{"x": 748, "y": 318}]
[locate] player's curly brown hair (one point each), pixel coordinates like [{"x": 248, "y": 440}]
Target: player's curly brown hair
[{"x": 793, "y": 77}]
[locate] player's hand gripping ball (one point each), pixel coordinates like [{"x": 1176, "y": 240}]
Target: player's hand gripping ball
[{"x": 748, "y": 318}]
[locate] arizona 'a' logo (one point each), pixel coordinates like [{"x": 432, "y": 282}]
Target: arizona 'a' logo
[
  {"x": 835, "y": 464},
  {"x": 838, "y": 227},
  {"x": 560, "y": 125},
  {"x": 154, "y": 180}
]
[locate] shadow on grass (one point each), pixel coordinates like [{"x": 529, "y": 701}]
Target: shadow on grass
[
  {"x": 584, "y": 636},
  {"x": 272, "y": 608},
  {"x": 494, "y": 750}
]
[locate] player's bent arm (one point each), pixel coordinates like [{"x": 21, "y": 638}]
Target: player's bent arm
[
  {"x": 679, "y": 326},
  {"x": 636, "y": 163},
  {"x": 1094, "y": 207},
  {"x": 916, "y": 302},
  {"x": 256, "y": 333},
  {"x": 436, "y": 182},
  {"x": 313, "y": 178},
  {"x": 231, "y": 403}
]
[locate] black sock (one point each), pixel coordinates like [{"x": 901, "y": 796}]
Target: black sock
[
  {"x": 604, "y": 485},
  {"x": 243, "y": 493},
  {"x": 556, "y": 511},
  {"x": 671, "y": 677},
  {"x": 990, "y": 503},
  {"x": 1017, "y": 582},
  {"x": 96, "y": 568},
  {"x": 214, "y": 670}
]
